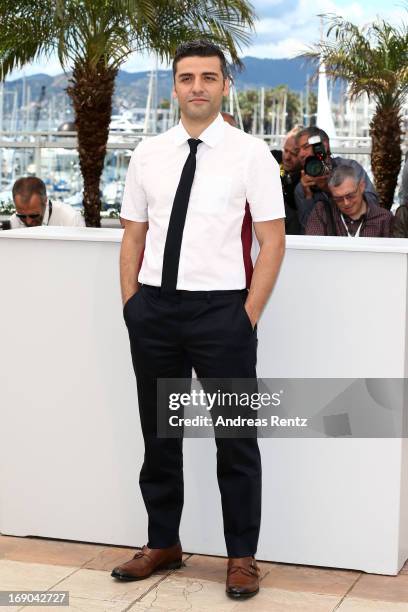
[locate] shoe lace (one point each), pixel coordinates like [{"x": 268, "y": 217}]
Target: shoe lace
[
  {"x": 141, "y": 553},
  {"x": 251, "y": 570}
]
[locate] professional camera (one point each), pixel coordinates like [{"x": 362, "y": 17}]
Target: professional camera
[{"x": 316, "y": 164}]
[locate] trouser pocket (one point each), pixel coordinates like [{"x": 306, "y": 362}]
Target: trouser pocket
[
  {"x": 246, "y": 316},
  {"x": 130, "y": 301}
]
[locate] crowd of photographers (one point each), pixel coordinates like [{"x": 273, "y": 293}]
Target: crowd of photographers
[
  {"x": 331, "y": 196},
  {"x": 324, "y": 195}
]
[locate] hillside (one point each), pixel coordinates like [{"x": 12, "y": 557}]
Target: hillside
[{"x": 131, "y": 87}]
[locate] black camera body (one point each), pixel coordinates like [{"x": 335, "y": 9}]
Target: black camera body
[{"x": 317, "y": 164}]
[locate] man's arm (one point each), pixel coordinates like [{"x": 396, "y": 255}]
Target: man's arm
[
  {"x": 388, "y": 225},
  {"x": 271, "y": 239},
  {"x": 134, "y": 218},
  {"x": 403, "y": 193},
  {"x": 133, "y": 243},
  {"x": 400, "y": 225},
  {"x": 304, "y": 204},
  {"x": 370, "y": 193}
]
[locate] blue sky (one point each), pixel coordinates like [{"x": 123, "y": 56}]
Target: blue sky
[{"x": 284, "y": 28}]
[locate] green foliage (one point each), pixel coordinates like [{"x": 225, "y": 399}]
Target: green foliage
[
  {"x": 312, "y": 103},
  {"x": 94, "y": 37},
  {"x": 91, "y": 31},
  {"x": 249, "y": 98},
  {"x": 372, "y": 59},
  {"x": 164, "y": 103},
  {"x": 7, "y": 208}
]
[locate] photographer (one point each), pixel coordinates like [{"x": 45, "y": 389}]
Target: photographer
[
  {"x": 317, "y": 166},
  {"x": 290, "y": 169},
  {"x": 348, "y": 212},
  {"x": 34, "y": 208}
]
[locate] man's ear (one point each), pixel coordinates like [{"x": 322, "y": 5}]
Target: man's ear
[
  {"x": 227, "y": 86},
  {"x": 362, "y": 185}
]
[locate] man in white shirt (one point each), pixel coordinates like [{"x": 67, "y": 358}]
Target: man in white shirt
[
  {"x": 183, "y": 289},
  {"x": 33, "y": 207}
]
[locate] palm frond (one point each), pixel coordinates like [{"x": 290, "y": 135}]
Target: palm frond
[
  {"x": 90, "y": 31},
  {"x": 26, "y": 33},
  {"x": 373, "y": 59}
]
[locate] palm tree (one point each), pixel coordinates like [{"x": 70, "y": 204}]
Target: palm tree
[
  {"x": 94, "y": 37},
  {"x": 374, "y": 61},
  {"x": 247, "y": 101}
]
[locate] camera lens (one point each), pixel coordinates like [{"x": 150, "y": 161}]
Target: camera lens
[{"x": 314, "y": 166}]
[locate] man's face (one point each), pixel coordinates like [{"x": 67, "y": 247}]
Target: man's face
[
  {"x": 348, "y": 197},
  {"x": 199, "y": 86},
  {"x": 34, "y": 208},
  {"x": 306, "y": 149},
  {"x": 290, "y": 159}
]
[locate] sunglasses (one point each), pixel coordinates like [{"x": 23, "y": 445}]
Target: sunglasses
[{"x": 22, "y": 217}]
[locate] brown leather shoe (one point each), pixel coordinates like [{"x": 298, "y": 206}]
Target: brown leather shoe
[
  {"x": 242, "y": 577},
  {"x": 147, "y": 560}
]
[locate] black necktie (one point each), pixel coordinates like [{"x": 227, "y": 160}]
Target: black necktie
[{"x": 177, "y": 221}]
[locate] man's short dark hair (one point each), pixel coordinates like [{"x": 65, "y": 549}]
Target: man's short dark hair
[
  {"x": 312, "y": 131},
  {"x": 27, "y": 186},
  {"x": 202, "y": 48}
]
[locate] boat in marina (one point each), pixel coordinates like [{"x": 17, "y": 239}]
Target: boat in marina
[{"x": 50, "y": 150}]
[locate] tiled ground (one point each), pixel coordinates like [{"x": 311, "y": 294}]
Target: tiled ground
[{"x": 84, "y": 571}]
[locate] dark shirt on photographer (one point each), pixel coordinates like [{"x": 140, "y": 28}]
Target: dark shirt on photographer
[
  {"x": 289, "y": 182},
  {"x": 306, "y": 205}
]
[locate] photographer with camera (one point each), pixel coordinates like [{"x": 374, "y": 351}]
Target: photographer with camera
[
  {"x": 317, "y": 166},
  {"x": 348, "y": 212},
  {"x": 290, "y": 169}
]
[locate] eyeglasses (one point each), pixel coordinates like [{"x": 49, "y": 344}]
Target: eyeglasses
[
  {"x": 349, "y": 197},
  {"x": 23, "y": 217}
]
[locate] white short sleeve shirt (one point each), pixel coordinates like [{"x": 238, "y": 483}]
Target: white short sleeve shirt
[{"x": 232, "y": 168}]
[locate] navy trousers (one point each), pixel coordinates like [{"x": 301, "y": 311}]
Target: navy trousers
[{"x": 211, "y": 332}]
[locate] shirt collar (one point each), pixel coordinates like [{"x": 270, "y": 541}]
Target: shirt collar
[
  {"x": 363, "y": 217},
  {"x": 211, "y": 135},
  {"x": 46, "y": 217}
]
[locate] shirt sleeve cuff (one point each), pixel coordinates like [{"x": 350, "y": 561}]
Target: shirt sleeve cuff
[
  {"x": 268, "y": 218},
  {"x": 129, "y": 218}
]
